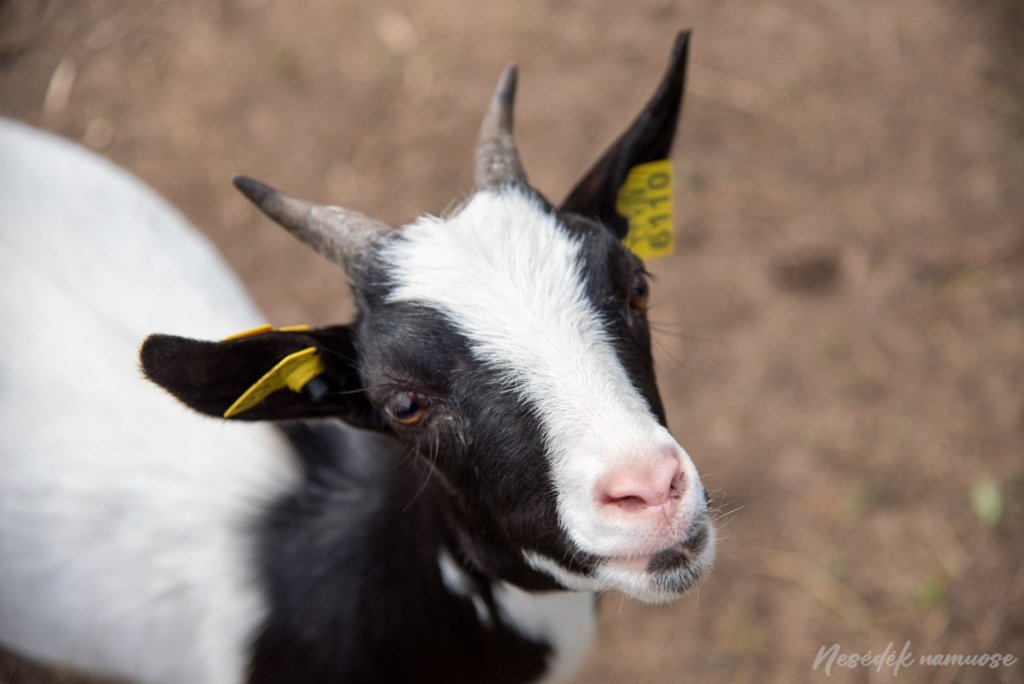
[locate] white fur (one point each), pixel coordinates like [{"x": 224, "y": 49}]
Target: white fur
[
  {"x": 562, "y": 619},
  {"x": 558, "y": 572},
  {"x": 122, "y": 514},
  {"x": 508, "y": 277},
  {"x": 457, "y": 581}
]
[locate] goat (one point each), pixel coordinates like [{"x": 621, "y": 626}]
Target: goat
[{"x": 434, "y": 492}]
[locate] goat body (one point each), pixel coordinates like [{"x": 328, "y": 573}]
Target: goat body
[
  {"x": 505, "y": 455},
  {"x": 121, "y": 515}
]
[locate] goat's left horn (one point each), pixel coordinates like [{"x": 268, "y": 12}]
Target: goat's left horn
[
  {"x": 497, "y": 161},
  {"x": 341, "y": 235}
]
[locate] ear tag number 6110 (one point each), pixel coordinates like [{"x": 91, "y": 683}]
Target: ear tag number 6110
[{"x": 645, "y": 200}]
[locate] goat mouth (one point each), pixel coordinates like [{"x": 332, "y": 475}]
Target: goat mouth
[
  {"x": 664, "y": 575},
  {"x": 687, "y": 551},
  {"x": 655, "y": 577}
]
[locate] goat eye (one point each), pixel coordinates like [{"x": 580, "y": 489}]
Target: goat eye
[
  {"x": 638, "y": 293},
  {"x": 408, "y": 408}
]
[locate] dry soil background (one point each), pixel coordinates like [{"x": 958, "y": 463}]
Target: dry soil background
[{"x": 840, "y": 333}]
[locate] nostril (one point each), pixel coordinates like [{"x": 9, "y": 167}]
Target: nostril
[
  {"x": 637, "y": 488},
  {"x": 678, "y": 485},
  {"x": 628, "y": 503}
]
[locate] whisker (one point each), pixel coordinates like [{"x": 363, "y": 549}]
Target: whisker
[{"x": 432, "y": 461}]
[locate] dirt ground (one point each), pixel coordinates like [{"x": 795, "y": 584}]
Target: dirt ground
[{"x": 840, "y": 331}]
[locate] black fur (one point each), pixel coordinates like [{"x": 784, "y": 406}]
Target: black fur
[
  {"x": 485, "y": 445},
  {"x": 350, "y": 566},
  {"x": 649, "y": 138}
]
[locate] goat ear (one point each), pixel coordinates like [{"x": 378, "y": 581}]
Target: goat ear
[
  {"x": 210, "y": 377},
  {"x": 648, "y": 139}
]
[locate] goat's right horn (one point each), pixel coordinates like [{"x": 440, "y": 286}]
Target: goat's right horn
[
  {"x": 341, "y": 235},
  {"x": 497, "y": 160}
]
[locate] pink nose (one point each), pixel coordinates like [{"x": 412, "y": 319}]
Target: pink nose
[{"x": 638, "y": 487}]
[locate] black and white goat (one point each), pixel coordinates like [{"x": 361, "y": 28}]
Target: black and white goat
[{"x": 512, "y": 458}]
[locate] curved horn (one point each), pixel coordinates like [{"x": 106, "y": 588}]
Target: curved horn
[
  {"x": 341, "y": 235},
  {"x": 497, "y": 161}
]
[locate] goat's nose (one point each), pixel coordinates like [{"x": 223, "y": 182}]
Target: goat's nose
[{"x": 636, "y": 487}]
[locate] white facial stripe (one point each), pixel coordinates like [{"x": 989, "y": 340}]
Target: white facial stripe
[
  {"x": 505, "y": 273},
  {"x": 508, "y": 276}
]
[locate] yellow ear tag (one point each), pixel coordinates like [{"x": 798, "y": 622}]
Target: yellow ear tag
[
  {"x": 266, "y": 328},
  {"x": 258, "y": 330},
  {"x": 293, "y": 372},
  {"x": 645, "y": 199}
]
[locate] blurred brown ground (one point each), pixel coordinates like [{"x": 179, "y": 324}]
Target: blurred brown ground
[{"x": 840, "y": 333}]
